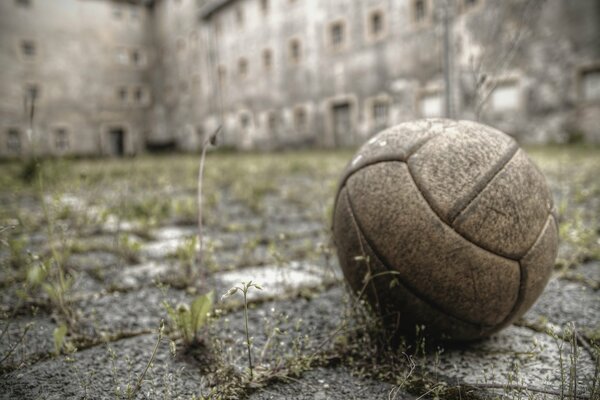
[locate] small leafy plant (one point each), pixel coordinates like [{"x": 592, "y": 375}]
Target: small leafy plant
[{"x": 189, "y": 319}]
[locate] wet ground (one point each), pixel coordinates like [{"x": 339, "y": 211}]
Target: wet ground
[{"x": 95, "y": 253}]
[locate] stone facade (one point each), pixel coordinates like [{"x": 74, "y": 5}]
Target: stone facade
[{"x": 117, "y": 77}]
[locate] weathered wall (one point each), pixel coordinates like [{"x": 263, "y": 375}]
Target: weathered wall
[
  {"x": 167, "y": 72},
  {"x": 516, "y": 65},
  {"x": 90, "y": 65}
]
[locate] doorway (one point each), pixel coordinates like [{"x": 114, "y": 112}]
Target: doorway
[
  {"x": 116, "y": 141},
  {"x": 342, "y": 124}
]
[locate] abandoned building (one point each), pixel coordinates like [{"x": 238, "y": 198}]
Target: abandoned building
[{"x": 95, "y": 77}]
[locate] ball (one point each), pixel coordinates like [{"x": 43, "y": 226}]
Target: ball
[{"x": 446, "y": 224}]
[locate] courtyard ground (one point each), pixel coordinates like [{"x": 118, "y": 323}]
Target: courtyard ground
[{"x": 101, "y": 294}]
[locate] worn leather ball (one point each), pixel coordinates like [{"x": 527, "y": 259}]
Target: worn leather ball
[{"x": 445, "y": 224}]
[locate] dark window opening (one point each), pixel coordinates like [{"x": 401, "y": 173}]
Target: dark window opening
[
  {"x": 117, "y": 141},
  {"x": 267, "y": 59},
  {"x": 420, "y": 9},
  {"x": 135, "y": 57},
  {"x": 300, "y": 119},
  {"x": 342, "y": 124},
  {"x": 28, "y": 48},
  {"x": 243, "y": 67},
  {"x": 138, "y": 94},
  {"x": 380, "y": 113},
  {"x": 61, "y": 139},
  {"x": 239, "y": 16},
  {"x": 295, "y": 51},
  {"x": 13, "y": 141},
  {"x": 337, "y": 34},
  {"x": 32, "y": 91},
  {"x": 244, "y": 121},
  {"x": 264, "y": 6},
  {"x": 23, "y": 3},
  {"x": 122, "y": 94},
  {"x": 272, "y": 123},
  {"x": 376, "y": 23}
]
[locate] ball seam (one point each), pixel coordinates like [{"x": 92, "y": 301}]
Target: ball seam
[{"x": 382, "y": 260}]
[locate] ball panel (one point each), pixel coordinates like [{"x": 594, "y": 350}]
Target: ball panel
[
  {"x": 439, "y": 265},
  {"x": 508, "y": 215},
  {"x": 451, "y": 168},
  {"x": 537, "y": 266},
  {"x": 399, "y": 307},
  {"x": 395, "y": 143}
]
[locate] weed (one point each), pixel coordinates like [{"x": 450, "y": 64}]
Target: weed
[
  {"x": 189, "y": 320},
  {"x": 243, "y": 289}
]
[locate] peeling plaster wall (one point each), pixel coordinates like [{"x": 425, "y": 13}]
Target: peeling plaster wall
[
  {"x": 197, "y": 71},
  {"x": 83, "y": 52}
]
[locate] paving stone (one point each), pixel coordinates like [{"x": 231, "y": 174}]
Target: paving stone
[
  {"x": 276, "y": 281},
  {"x": 144, "y": 274},
  {"x": 564, "y": 302},
  {"x": 174, "y": 232},
  {"x": 93, "y": 260},
  {"x": 303, "y": 325},
  {"x": 38, "y": 340},
  {"x": 94, "y": 374},
  {"x": 329, "y": 384},
  {"x": 515, "y": 354},
  {"x": 128, "y": 312}
]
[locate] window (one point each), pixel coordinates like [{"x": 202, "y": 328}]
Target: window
[
  {"x": 217, "y": 26},
  {"x": 430, "y": 105},
  {"x": 23, "y": 3},
  {"x": 264, "y": 6},
  {"x": 336, "y": 35},
  {"x": 469, "y": 3},
  {"x": 376, "y": 24},
  {"x": 267, "y": 59},
  {"x": 300, "y": 119},
  {"x": 590, "y": 84},
  {"x": 243, "y": 67},
  {"x": 61, "y": 140},
  {"x": 117, "y": 12},
  {"x": 122, "y": 94},
  {"x": 380, "y": 113},
  {"x": 28, "y": 48},
  {"x": 244, "y": 121},
  {"x": 136, "y": 57},
  {"x": 32, "y": 91},
  {"x": 138, "y": 94},
  {"x": 419, "y": 10},
  {"x": 13, "y": 141},
  {"x": 505, "y": 97},
  {"x": 272, "y": 122},
  {"x": 239, "y": 16},
  {"x": 295, "y": 51}
]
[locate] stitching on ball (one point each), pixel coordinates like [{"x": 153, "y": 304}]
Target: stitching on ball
[
  {"x": 523, "y": 273},
  {"x": 413, "y": 291},
  {"x": 462, "y": 204}
]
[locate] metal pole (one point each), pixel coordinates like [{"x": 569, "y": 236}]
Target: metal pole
[{"x": 448, "y": 87}]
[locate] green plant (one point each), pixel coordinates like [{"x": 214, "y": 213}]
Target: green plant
[
  {"x": 186, "y": 254},
  {"x": 243, "y": 289},
  {"x": 189, "y": 320},
  {"x": 59, "y": 335}
]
